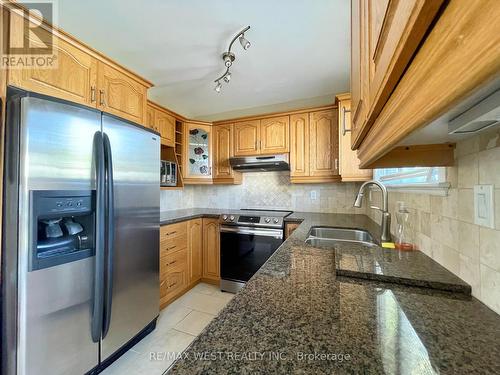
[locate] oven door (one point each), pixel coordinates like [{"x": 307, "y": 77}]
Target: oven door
[{"x": 244, "y": 250}]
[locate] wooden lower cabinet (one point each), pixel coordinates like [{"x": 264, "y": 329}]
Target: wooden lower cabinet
[
  {"x": 195, "y": 250},
  {"x": 189, "y": 252},
  {"x": 290, "y": 228},
  {"x": 211, "y": 252}
]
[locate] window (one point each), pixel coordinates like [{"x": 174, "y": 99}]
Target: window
[{"x": 417, "y": 179}]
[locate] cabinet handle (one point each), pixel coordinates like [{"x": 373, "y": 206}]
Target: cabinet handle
[
  {"x": 256, "y": 145},
  {"x": 173, "y": 247},
  {"x": 169, "y": 233},
  {"x": 344, "y": 129},
  {"x": 336, "y": 164},
  {"x": 171, "y": 285},
  {"x": 101, "y": 97},
  {"x": 172, "y": 262},
  {"x": 92, "y": 94}
]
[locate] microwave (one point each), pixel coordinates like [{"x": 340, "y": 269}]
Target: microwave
[{"x": 168, "y": 173}]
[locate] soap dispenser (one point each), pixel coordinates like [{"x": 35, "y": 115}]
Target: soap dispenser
[{"x": 404, "y": 233}]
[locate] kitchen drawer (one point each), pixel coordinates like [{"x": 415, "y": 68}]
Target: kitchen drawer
[
  {"x": 173, "y": 230},
  {"x": 173, "y": 261},
  {"x": 174, "y": 283},
  {"x": 170, "y": 245}
]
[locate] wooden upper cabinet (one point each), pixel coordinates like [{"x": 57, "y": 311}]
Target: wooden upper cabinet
[
  {"x": 348, "y": 159},
  {"x": 274, "y": 136},
  {"x": 246, "y": 138},
  {"x": 195, "y": 250},
  {"x": 80, "y": 74},
  {"x": 385, "y": 35},
  {"x": 150, "y": 118},
  {"x": 165, "y": 123},
  {"x": 198, "y": 157},
  {"x": 121, "y": 95},
  {"x": 323, "y": 143},
  {"x": 222, "y": 151},
  {"x": 211, "y": 252},
  {"x": 73, "y": 78},
  {"x": 299, "y": 145}
]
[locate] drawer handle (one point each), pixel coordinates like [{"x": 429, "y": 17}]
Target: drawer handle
[
  {"x": 169, "y": 233},
  {"x": 171, "y": 285},
  {"x": 173, "y": 247},
  {"x": 172, "y": 262}
]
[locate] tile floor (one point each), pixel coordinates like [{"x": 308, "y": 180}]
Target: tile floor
[{"x": 178, "y": 325}]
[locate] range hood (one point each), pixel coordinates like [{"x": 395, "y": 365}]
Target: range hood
[{"x": 260, "y": 163}]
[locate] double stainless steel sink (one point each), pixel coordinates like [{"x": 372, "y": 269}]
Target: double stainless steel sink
[{"x": 328, "y": 236}]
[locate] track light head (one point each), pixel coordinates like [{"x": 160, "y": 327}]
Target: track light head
[
  {"x": 244, "y": 43},
  {"x": 228, "y": 58},
  {"x": 218, "y": 87},
  {"x": 227, "y": 77}
]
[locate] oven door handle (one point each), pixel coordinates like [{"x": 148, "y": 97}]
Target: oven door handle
[{"x": 276, "y": 233}]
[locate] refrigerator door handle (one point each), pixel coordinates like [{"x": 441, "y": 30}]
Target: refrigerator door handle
[
  {"x": 108, "y": 279},
  {"x": 98, "y": 295}
]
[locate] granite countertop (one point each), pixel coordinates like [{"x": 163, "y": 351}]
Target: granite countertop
[
  {"x": 175, "y": 216},
  {"x": 296, "y": 315},
  {"x": 376, "y": 263}
]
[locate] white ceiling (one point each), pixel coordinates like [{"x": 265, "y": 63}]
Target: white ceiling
[{"x": 299, "y": 54}]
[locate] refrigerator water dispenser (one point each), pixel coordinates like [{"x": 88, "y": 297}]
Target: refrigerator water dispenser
[{"x": 62, "y": 227}]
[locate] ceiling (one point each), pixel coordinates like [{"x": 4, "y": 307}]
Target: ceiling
[{"x": 299, "y": 55}]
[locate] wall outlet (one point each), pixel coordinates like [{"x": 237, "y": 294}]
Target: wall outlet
[
  {"x": 484, "y": 208},
  {"x": 313, "y": 195}
]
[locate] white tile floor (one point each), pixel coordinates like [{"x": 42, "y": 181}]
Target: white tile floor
[{"x": 178, "y": 325}]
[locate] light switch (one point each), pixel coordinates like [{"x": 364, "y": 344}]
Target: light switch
[
  {"x": 484, "y": 206},
  {"x": 313, "y": 195}
]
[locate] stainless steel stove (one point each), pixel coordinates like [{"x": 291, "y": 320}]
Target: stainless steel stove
[
  {"x": 252, "y": 218},
  {"x": 247, "y": 239}
]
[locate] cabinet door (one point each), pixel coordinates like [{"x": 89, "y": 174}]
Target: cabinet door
[
  {"x": 211, "y": 252},
  {"x": 223, "y": 135},
  {"x": 150, "y": 118},
  {"x": 274, "y": 135},
  {"x": 348, "y": 159},
  {"x": 120, "y": 95},
  {"x": 385, "y": 36},
  {"x": 198, "y": 163},
  {"x": 165, "y": 123},
  {"x": 246, "y": 138},
  {"x": 323, "y": 131},
  {"x": 299, "y": 145},
  {"x": 73, "y": 78},
  {"x": 359, "y": 68},
  {"x": 195, "y": 243}
]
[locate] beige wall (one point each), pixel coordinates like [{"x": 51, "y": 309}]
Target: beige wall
[
  {"x": 271, "y": 190},
  {"x": 444, "y": 226}
]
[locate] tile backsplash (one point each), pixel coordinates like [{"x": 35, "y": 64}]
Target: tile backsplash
[
  {"x": 444, "y": 227},
  {"x": 270, "y": 190}
]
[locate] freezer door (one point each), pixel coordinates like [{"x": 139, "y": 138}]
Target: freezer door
[
  {"x": 54, "y": 304},
  {"x": 135, "y": 282}
]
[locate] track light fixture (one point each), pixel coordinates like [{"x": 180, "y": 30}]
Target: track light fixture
[{"x": 228, "y": 57}]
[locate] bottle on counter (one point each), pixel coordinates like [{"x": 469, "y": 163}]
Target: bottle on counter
[{"x": 404, "y": 233}]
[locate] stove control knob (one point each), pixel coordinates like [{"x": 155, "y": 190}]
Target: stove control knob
[
  {"x": 267, "y": 220},
  {"x": 231, "y": 218},
  {"x": 275, "y": 221},
  {"x": 224, "y": 217}
]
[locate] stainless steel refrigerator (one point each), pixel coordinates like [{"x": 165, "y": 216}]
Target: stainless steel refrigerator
[{"x": 80, "y": 236}]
